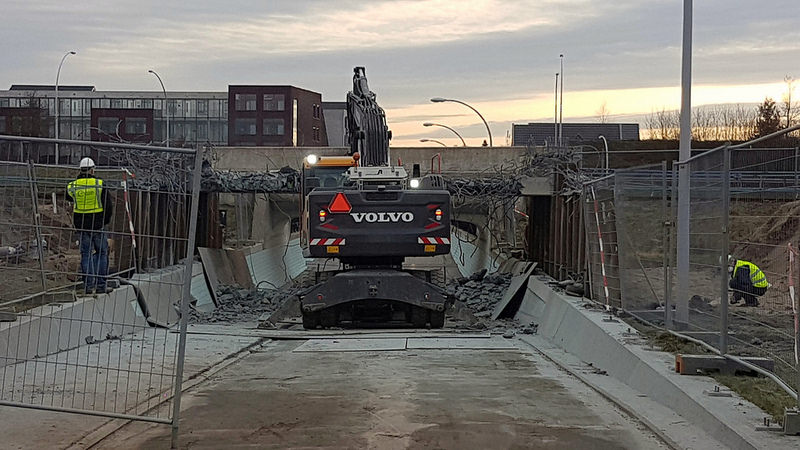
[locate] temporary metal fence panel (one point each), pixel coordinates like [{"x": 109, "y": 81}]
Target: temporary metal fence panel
[
  {"x": 706, "y": 289},
  {"x": 765, "y": 230},
  {"x": 63, "y": 348},
  {"x": 642, "y": 216},
  {"x": 602, "y": 244}
]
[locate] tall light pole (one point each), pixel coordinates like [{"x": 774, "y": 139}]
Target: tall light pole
[
  {"x": 431, "y": 124},
  {"x": 434, "y": 140},
  {"x": 685, "y": 152},
  {"x": 166, "y": 106},
  {"x": 605, "y": 143},
  {"x": 555, "y": 112},
  {"x": 58, "y": 75},
  {"x": 440, "y": 100},
  {"x": 561, "y": 107}
]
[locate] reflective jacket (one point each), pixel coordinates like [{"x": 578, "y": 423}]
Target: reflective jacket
[
  {"x": 757, "y": 277},
  {"x": 92, "y": 207},
  {"x": 86, "y": 192}
]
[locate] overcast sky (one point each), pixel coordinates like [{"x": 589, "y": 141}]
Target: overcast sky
[{"x": 499, "y": 56}]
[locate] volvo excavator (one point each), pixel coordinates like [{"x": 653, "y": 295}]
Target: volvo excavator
[{"x": 367, "y": 216}]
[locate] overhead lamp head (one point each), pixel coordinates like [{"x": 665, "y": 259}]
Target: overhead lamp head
[
  {"x": 438, "y": 99},
  {"x": 428, "y": 124}
]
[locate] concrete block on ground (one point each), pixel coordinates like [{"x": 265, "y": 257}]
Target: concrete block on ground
[
  {"x": 49, "y": 329},
  {"x": 701, "y": 364},
  {"x": 791, "y": 422}
]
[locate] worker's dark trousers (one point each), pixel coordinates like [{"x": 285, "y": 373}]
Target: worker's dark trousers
[{"x": 748, "y": 292}]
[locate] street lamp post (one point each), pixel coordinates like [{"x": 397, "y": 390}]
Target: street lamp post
[
  {"x": 58, "y": 74},
  {"x": 434, "y": 140},
  {"x": 166, "y": 106},
  {"x": 431, "y": 124},
  {"x": 441, "y": 100},
  {"x": 561, "y": 105},
  {"x": 605, "y": 142},
  {"x": 555, "y": 112}
]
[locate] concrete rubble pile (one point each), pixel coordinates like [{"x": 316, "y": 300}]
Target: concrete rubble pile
[
  {"x": 480, "y": 292},
  {"x": 242, "y": 305},
  {"x": 285, "y": 180}
]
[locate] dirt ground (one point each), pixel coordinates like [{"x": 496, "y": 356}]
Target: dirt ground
[{"x": 460, "y": 399}]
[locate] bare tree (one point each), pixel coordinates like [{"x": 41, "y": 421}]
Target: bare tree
[
  {"x": 603, "y": 112},
  {"x": 733, "y": 122}
]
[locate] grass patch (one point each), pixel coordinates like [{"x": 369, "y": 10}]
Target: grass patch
[{"x": 760, "y": 391}]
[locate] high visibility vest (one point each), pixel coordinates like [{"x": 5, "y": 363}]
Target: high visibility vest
[
  {"x": 86, "y": 192},
  {"x": 757, "y": 277}
]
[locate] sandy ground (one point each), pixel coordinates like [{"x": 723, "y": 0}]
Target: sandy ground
[{"x": 464, "y": 399}]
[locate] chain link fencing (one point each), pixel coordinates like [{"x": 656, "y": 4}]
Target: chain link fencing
[{"x": 98, "y": 345}]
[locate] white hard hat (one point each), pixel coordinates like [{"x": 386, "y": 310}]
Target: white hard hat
[{"x": 86, "y": 163}]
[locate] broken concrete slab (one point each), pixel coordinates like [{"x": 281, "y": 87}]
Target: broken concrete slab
[
  {"x": 277, "y": 265},
  {"x": 203, "y": 297},
  {"x": 508, "y": 306},
  {"x": 161, "y": 293},
  {"x": 239, "y": 267},
  {"x": 211, "y": 269}
]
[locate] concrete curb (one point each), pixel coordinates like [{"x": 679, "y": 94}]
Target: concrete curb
[{"x": 623, "y": 354}]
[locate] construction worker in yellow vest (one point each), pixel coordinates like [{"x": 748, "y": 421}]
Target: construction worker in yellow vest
[
  {"x": 92, "y": 211},
  {"x": 747, "y": 281}
]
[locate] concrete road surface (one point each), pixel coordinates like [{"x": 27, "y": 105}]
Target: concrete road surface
[{"x": 451, "y": 399}]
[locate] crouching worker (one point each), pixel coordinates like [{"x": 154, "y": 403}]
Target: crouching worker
[{"x": 747, "y": 281}]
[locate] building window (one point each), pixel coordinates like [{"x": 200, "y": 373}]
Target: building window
[
  {"x": 108, "y": 125},
  {"x": 245, "y": 127},
  {"x": 245, "y": 102},
  {"x": 202, "y": 108},
  {"x": 135, "y": 126},
  {"x": 273, "y": 102},
  {"x": 2, "y": 124},
  {"x": 316, "y": 111},
  {"x": 273, "y": 127}
]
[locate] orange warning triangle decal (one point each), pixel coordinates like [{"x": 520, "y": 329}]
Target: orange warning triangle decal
[{"x": 339, "y": 204}]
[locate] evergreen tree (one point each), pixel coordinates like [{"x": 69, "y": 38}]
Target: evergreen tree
[{"x": 769, "y": 121}]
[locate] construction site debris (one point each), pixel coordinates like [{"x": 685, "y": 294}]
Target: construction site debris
[
  {"x": 285, "y": 180},
  {"x": 480, "y": 292},
  {"x": 243, "y": 305}
]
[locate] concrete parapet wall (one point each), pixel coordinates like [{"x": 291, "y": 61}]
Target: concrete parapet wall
[{"x": 454, "y": 160}]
